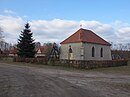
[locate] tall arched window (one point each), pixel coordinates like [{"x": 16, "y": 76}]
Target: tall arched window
[
  {"x": 93, "y": 51},
  {"x": 101, "y": 52}
]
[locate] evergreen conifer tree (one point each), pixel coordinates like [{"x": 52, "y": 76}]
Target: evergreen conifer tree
[{"x": 26, "y": 45}]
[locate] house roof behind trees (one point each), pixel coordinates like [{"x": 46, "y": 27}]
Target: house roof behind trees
[
  {"x": 86, "y": 36},
  {"x": 42, "y": 49},
  {"x": 13, "y": 50}
]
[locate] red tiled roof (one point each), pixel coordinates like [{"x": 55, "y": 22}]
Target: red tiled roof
[
  {"x": 43, "y": 49},
  {"x": 83, "y": 35},
  {"x": 13, "y": 51}
]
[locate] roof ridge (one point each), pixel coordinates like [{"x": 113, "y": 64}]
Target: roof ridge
[{"x": 84, "y": 35}]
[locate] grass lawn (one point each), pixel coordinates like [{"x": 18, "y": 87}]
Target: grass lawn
[{"x": 120, "y": 69}]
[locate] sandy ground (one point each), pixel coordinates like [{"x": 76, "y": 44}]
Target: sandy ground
[{"x": 24, "y": 81}]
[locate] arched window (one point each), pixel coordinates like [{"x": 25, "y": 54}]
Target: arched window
[
  {"x": 93, "y": 51},
  {"x": 101, "y": 52}
]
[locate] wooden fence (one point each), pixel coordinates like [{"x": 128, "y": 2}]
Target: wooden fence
[
  {"x": 30, "y": 60},
  {"x": 75, "y": 63}
]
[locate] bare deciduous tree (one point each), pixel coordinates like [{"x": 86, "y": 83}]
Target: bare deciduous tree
[
  {"x": 3, "y": 45},
  {"x": 1, "y": 35}
]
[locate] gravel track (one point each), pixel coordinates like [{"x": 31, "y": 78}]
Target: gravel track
[{"x": 24, "y": 81}]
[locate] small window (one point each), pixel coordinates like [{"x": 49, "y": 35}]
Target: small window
[
  {"x": 101, "y": 52},
  {"x": 93, "y": 51}
]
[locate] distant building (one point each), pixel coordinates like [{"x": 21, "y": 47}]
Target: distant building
[
  {"x": 13, "y": 52},
  {"x": 85, "y": 45},
  {"x": 41, "y": 51}
]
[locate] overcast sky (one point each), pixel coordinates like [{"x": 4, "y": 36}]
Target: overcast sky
[{"x": 55, "y": 20}]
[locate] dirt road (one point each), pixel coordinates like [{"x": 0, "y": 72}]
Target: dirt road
[{"x": 23, "y": 81}]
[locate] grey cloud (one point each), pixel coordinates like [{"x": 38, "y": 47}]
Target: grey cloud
[{"x": 57, "y": 30}]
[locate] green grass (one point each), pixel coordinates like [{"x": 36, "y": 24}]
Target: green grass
[{"x": 120, "y": 69}]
